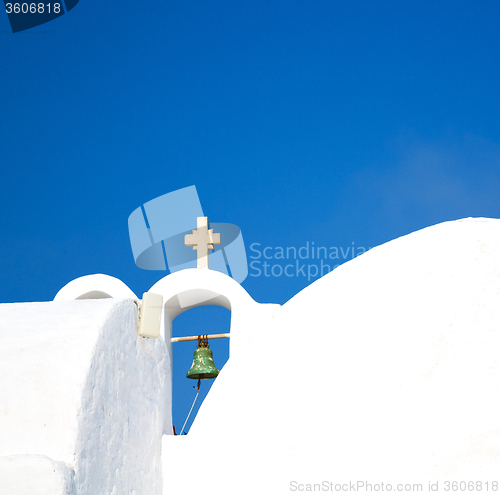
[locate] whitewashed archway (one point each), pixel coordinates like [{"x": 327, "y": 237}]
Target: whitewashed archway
[{"x": 191, "y": 288}]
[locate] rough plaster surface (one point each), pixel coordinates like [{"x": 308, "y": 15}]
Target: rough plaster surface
[
  {"x": 385, "y": 370},
  {"x": 85, "y": 390}
]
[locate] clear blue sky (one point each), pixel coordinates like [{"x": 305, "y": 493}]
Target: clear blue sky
[{"x": 328, "y": 122}]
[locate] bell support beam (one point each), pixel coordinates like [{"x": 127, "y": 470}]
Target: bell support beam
[{"x": 195, "y": 337}]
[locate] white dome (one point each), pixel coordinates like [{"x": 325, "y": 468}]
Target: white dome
[{"x": 385, "y": 370}]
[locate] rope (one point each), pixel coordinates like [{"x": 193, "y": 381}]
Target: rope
[{"x": 191, "y": 408}]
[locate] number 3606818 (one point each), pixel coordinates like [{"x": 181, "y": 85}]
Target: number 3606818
[{"x": 33, "y": 8}]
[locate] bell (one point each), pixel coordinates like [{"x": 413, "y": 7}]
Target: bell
[{"x": 203, "y": 363}]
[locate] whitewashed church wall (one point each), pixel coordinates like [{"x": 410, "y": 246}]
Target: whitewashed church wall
[
  {"x": 85, "y": 390},
  {"x": 35, "y": 475},
  {"x": 46, "y": 349},
  {"x": 126, "y": 407}
]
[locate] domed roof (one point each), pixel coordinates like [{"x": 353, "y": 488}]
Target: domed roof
[{"x": 387, "y": 368}]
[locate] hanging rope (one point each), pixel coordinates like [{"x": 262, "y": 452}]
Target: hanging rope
[{"x": 197, "y": 393}]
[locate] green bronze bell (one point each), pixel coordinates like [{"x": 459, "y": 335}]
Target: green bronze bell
[{"x": 203, "y": 363}]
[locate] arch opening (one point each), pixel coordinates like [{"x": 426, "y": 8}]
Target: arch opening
[
  {"x": 194, "y": 298},
  {"x": 200, "y": 319}
]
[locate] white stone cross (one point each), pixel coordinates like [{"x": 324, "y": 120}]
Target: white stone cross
[{"x": 202, "y": 239}]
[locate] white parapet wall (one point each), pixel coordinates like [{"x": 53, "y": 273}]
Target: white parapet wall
[
  {"x": 80, "y": 389},
  {"x": 35, "y": 475}
]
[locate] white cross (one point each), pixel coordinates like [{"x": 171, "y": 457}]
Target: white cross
[{"x": 202, "y": 239}]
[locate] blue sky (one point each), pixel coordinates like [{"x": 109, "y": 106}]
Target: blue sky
[{"x": 339, "y": 123}]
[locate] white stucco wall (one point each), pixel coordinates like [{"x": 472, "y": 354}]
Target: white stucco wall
[
  {"x": 80, "y": 387},
  {"x": 385, "y": 370},
  {"x": 35, "y": 475}
]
